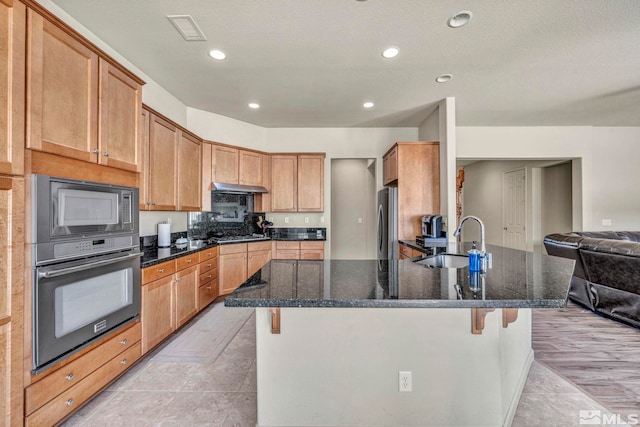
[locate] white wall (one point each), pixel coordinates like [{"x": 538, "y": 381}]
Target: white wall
[
  {"x": 608, "y": 163},
  {"x": 214, "y": 127},
  {"x": 429, "y": 129},
  {"x": 353, "y": 209}
]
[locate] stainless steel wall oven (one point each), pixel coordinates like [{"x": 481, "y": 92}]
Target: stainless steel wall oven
[{"x": 86, "y": 268}]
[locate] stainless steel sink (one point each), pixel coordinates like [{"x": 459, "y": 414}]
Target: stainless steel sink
[{"x": 445, "y": 261}]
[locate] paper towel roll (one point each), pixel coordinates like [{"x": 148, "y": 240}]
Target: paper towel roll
[{"x": 164, "y": 235}]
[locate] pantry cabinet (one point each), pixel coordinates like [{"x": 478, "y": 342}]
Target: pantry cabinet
[
  {"x": 237, "y": 262},
  {"x": 12, "y": 87},
  {"x": 79, "y": 105},
  {"x": 414, "y": 168},
  {"x": 297, "y": 183}
]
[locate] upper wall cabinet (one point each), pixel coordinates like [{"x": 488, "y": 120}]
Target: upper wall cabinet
[
  {"x": 12, "y": 80},
  {"x": 297, "y": 183},
  {"x": 172, "y": 165},
  {"x": 72, "y": 94},
  {"x": 231, "y": 165}
]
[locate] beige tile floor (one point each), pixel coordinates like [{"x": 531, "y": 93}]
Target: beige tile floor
[{"x": 206, "y": 376}]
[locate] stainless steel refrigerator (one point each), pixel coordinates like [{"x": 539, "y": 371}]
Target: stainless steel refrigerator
[
  {"x": 388, "y": 223},
  {"x": 388, "y": 242}
]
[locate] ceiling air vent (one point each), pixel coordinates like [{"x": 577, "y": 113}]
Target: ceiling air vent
[{"x": 187, "y": 27}]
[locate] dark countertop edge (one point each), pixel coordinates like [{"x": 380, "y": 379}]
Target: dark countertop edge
[
  {"x": 182, "y": 252},
  {"x": 151, "y": 262},
  {"x": 286, "y": 303},
  {"x": 413, "y": 245},
  {"x": 297, "y": 239}
]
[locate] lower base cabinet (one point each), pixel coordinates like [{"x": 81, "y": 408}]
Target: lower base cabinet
[
  {"x": 237, "y": 262},
  {"x": 68, "y": 387},
  {"x": 208, "y": 290},
  {"x": 170, "y": 293},
  {"x": 288, "y": 249}
]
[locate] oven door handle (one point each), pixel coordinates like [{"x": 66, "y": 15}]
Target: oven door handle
[{"x": 69, "y": 270}]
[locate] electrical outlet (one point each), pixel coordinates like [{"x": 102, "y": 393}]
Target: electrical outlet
[
  {"x": 306, "y": 220},
  {"x": 607, "y": 222},
  {"x": 404, "y": 381},
  {"x": 322, "y": 219},
  {"x": 286, "y": 220},
  {"x": 359, "y": 220}
]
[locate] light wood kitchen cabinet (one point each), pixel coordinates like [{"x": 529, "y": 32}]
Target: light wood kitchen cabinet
[
  {"x": 186, "y": 289},
  {"x": 390, "y": 166},
  {"x": 169, "y": 298},
  {"x": 143, "y": 180},
  {"x": 189, "y": 172},
  {"x": 232, "y": 267},
  {"x": 237, "y": 262},
  {"x": 12, "y": 87},
  {"x": 262, "y": 201},
  {"x": 250, "y": 168},
  {"x": 290, "y": 249},
  {"x": 157, "y": 313},
  {"x": 120, "y": 105},
  {"x": 297, "y": 183},
  {"x": 12, "y": 228},
  {"x": 310, "y": 183},
  {"x": 206, "y": 183},
  {"x": 225, "y": 164},
  {"x": 208, "y": 290},
  {"x": 162, "y": 174},
  {"x": 417, "y": 167},
  {"x": 73, "y": 383},
  {"x": 284, "y": 183},
  {"x": 78, "y": 105}
]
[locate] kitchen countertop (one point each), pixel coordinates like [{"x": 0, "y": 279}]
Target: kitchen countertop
[
  {"x": 517, "y": 279},
  {"x": 429, "y": 249},
  {"x": 154, "y": 255}
]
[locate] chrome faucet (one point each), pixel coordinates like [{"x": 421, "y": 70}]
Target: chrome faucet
[{"x": 483, "y": 248}]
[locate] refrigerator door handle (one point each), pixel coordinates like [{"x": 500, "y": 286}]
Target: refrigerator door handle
[{"x": 381, "y": 230}]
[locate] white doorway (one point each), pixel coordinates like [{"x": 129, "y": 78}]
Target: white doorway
[
  {"x": 353, "y": 209},
  {"x": 514, "y": 218}
]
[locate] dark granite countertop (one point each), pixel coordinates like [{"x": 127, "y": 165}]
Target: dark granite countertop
[
  {"x": 517, "y": 279},
  {"x": 431, "y": 249},
  {"x": 154, "y": 255}
]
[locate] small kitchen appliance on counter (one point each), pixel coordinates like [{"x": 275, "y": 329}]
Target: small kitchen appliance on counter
[{"x": 432, "y": 226}]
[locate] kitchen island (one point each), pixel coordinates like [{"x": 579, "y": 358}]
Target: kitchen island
[{"x": 333, "y": 336}]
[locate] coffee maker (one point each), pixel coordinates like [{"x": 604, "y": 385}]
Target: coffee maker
[{"x": 432, "y": 226}]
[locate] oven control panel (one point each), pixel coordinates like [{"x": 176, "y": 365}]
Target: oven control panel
[{"x": 90, "y": 246}]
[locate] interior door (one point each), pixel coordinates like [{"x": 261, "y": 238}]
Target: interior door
[{"x": 514, "y": 192}]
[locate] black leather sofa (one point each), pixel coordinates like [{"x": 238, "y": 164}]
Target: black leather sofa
[{"x": 606, "y": 277}]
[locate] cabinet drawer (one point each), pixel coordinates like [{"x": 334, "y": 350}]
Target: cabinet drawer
[
  {"x": 74, "y": 397},
  {"x": 287, "y": 254},
  {"x": 208, "y": 276},
  {"x": 53, "y": 384},
  {"x": 154, "y": 272},
  {"x": 312, "y": 254},
  {"x": 312, "y": 245},
  {"x": 260, "y": 246},
  {"x": 187, "y": 261},
  {"x": 404, "y": 250},
  {"x": 208, "y": 254},
  {"x": 208, "y": 265},
  {"x": 207, "y": 293},
  {"x": 286, "y": 244},
  {"x": 237, "y": 248}
]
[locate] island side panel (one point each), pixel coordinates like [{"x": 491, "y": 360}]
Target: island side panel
[{"x": 339, "y": 366}]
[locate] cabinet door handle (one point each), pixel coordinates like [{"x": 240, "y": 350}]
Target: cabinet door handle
[
  {"x": 161, "y": 270},
  {"x": 124, "y": 342},
  {"x": 189, "y": 261},
  {"x": 124, "y": 362},
  {"x": 153, "y": 203},
  {"x": 70, "y": 377},
  {"x": 69, "y": 402},
  {"x": 209, "y": 287},
  {"x": 106, "y": 154},
  {"x": 209, "y": 277},
  {"x": 95, "y": 151}
]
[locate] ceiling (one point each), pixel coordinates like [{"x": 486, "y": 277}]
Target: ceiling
[{"x": 312, "y": 63}]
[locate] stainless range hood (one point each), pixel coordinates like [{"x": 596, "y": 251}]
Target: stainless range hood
[{"x": 237, "y": 188}]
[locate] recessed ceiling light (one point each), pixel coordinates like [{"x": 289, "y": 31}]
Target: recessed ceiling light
[
  {"x": 460, "y": 19},
  {"x": 443, "y": 78},
  {"x": 254, "y": 105},
  {"x": 390, "y": 52},
  {"x": 368, "y": 105},
  {"x": 217, "y": 54}
]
